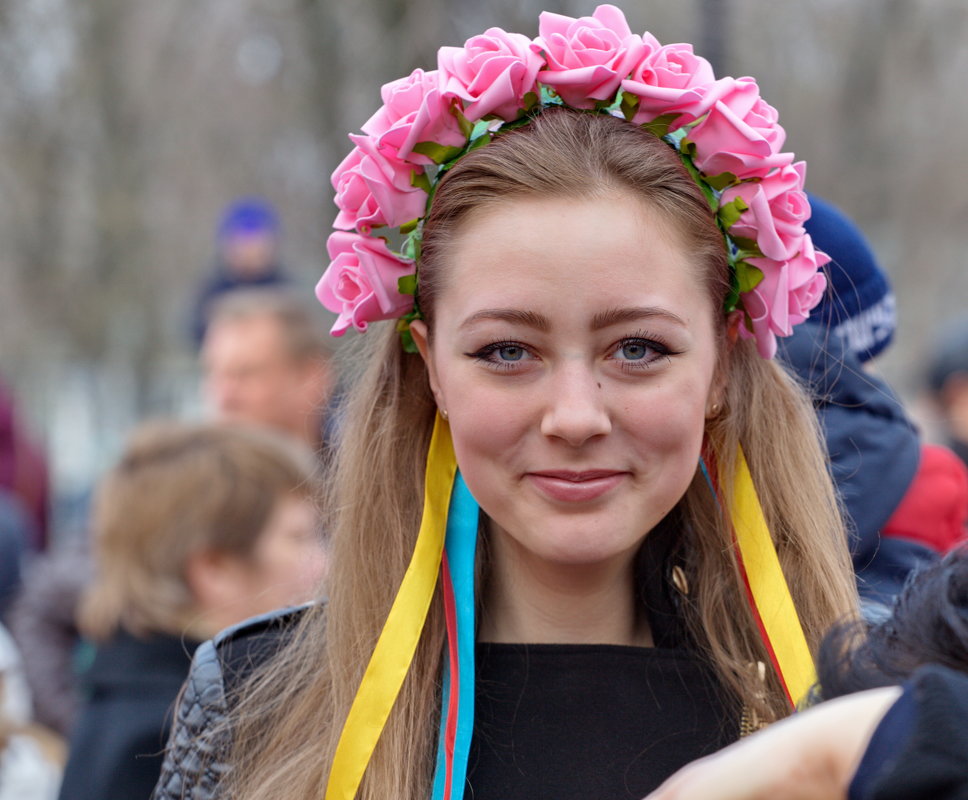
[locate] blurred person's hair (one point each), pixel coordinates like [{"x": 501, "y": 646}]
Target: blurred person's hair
[
  {"x": 928, "y": 624},
  {"x": 180, "y": 489},
  {"x": 301, "y": 324}
]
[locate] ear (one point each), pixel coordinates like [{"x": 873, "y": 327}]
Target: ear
[
  {"x": 717, "y": 392},
  {"x": 320, "y": 373},
  {"x": 421, "y": 338},
  {"x": 214, "y": 578}
]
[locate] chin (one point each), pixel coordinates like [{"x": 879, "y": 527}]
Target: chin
[{"x": 577, "y": 543}]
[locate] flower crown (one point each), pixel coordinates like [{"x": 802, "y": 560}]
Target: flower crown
[{"x": 726, "y": 135}]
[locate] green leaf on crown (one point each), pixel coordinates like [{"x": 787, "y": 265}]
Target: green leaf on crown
[
  {"x": 628, "y": 106},
  {"x": 411, "y": 247},
  {"x": 748, "y": 248},
  {"x": 610, "y": 106},
  {"x": 403, "y": 328},
  {"x": 419, "y": 180},
  {"x": 465, "y": 125},
  {"x": 406, "y": 338},
  {"x": 748, "y": 277},
  {"x": 721, "y": 181},
  {"x": 407, "y": 284},
  {"x": 660, "y": 125},
  {"x": 530, "y": 100},
  {"x": 730, "y": 213},
  {"x": 438, "y": 153},
  {"x": 480, "y": 141}
]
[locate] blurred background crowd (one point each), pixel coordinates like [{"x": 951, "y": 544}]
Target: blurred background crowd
[{"x": 166, "y": 201}]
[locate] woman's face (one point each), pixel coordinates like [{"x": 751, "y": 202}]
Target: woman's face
[{"x": 574, "y": 352}]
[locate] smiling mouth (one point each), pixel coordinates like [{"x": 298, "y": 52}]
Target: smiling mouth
[{"x": 575, "y": 487}]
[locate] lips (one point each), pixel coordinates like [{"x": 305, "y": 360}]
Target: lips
[{"x": 567, "y": 486}]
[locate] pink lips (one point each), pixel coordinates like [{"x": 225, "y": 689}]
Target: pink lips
[{"x": 575, "y": 487}]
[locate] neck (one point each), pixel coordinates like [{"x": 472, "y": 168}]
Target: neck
[{"x": 531, "y": 600}]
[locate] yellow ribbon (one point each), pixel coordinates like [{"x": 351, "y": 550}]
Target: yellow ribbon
[
  {"x": 398, "y": 640},
  {"x": 771, "y": 594}
]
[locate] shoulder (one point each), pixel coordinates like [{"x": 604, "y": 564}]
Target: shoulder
[
  {"x": 196, "y": 755},
  {"x": 241, "y": 649}
]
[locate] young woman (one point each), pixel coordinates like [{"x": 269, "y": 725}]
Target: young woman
[{"x": 586, "y": 353}]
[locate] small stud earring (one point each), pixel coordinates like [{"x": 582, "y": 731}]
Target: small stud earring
[{"x": 443, "y": 413}]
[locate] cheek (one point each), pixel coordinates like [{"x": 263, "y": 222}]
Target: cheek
[
  {"x": 489, "y": 429},
  {"x": 669, "y": 423}
]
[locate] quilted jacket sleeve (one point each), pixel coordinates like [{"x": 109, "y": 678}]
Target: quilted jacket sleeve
[{"x": 195, "y": 757}]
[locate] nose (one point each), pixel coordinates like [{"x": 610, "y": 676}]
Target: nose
[{"x": 576, "y": 411}]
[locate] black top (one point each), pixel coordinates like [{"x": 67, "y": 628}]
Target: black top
[
  {"x": 117, "y": 744},
  {"x": 595, "y": 722}
]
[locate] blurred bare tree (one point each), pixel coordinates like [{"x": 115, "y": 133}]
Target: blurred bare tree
[{"x": 126, "y": 125}]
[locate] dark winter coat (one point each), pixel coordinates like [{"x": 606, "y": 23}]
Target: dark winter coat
[
  {"x": 117, "y": 744},
  {"x": 920, "y": 748},
  {"x": 874, "y": 453}
]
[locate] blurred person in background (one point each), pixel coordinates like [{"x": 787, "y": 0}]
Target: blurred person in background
[
  {"x": 23, "y": 499},
  {"x": 948, "y": 384},
  {"x": 266, "y": 360},
  {"x": 31, "y": 758},
  {"x": 43, "y": 622},
  {"x": 197, "y": 528},
  {"x": 906, "y": 502},
  {"x": 247, "y": 256}
]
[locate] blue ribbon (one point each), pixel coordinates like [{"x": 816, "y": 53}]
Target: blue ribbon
[{"x": 461, "y": 548}]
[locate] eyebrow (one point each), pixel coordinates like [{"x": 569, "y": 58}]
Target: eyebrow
[
  {"x": 529, "y": 318},
  {"x": 616, "y": 316},
  {"x": 605, "y": 319}
]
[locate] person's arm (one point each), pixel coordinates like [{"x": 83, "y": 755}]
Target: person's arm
[{"x": 810, "y": 756}]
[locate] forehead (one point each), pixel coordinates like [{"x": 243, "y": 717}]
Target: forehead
[
  {"x": 248, "y": 336},
  {"x": 572, "y": 257}
]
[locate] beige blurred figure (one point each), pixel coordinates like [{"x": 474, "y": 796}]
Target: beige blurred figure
[
  {"x": 266, "y": 360},
  {"x": 198, "y": 527}
]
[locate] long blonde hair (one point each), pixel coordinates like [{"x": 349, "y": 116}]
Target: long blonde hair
[{"x": 289, "y": 719}]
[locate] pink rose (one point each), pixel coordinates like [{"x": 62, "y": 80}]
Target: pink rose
[
  {"x": 490, "y": 74},
  {"x": 374, "y": 189},
  {"x": 360, "y": 283},
  {"x": 777, "y": 209},
  {"x": 670, "y": 80},
  {"x": 588, "y": 57},
  {"x": 785, "y": 296},
  {"x": 740, "y": 135},
  {"x": 413, "y": 111}
]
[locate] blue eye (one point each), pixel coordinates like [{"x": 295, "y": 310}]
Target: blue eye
[
  {"x": 504, "y": 355},
  {"x": 639, "y": 352},
  {"x": 634, "y": 350},
  {"x": 510, "y": 352}
]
